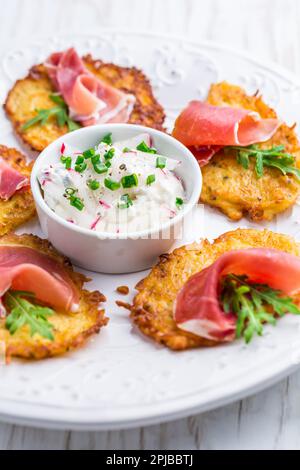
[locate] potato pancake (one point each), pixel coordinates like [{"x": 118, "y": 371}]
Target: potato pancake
[
  {"x": 20, "y": 207},
  {"x": 152, "y": 309},
  {"x": 32, "y": 92},
  {"x": 236, "y": 191},
  {"x": 70, "y": 329}
]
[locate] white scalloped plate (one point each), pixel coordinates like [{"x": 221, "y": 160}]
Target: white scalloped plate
[{"x": 120, "y": 379}]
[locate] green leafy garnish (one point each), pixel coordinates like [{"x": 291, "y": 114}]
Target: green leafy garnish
[
  {"x": 254, "y": 304},
  {"x": 81, "y": 167},
  {"x": 129, "y": 181},
  {"x": 150, "y": 179},
  {"x": 109, "y": 154},
  {"x": 179, "y": 202},
  {"x": 274, "y": 157},
  {"x": 89, "y": 153},
  {"x": 107, "y": 139},
  {"x": 24, "y": 312},
  {"x": 111, "y": 184},
  {"x": 100, "y": 168},
  {"x": 126, "y": 150},
  {"x": 67, "y": 161},
  {"x": 125, "y": 201},
  {"x": 75, "y": 201},
  {"x": 161, "y": 162},
  {"x": 143, "y": 147},
  {"x": 93, "y": 184},
  {"x": 60, "y": 112}
]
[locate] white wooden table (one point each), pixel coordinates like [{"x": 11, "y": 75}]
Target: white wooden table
[{"x": 269, "y": 29}]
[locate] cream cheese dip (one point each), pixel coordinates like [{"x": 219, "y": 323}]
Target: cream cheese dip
[{"x": 120, "y": 187}]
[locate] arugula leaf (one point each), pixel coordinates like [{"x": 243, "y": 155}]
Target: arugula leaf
[
  {"x": 23, "y": 312},
  {"x": 60, "y": 112},
  {"x": 254, "y": 304},
  {"x": 274, "y": 157}
]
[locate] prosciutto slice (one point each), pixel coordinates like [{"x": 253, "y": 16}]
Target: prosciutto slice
[
  {"x": 203, "y": 125},
  {"x": 10, "y": 180},
  {"x": 90, "y": 100},
  {"x": 197, "y": 308},
  {"x": 23, "y": 268}
]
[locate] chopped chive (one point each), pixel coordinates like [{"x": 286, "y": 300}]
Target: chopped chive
[
  {"x": 79, "y": 159},
  {"x": 95, "y": 159},
  {"x": 179, "y": 202},
  {"x": 107, "y": 139},
  {"x": 109, "y": 154},
  {"x": 112, "y": 185},
  {"x": 126, "y": 201},
  {"x": 81, "y": 167},
  {"x": 76, "y": 202},
  {"x": 129, "y": 181},
  {"x": 143, "y": 147},
  {"x": 100, "y": 168},
  {"x": 67, "y": 161},
  {"x": 93, "y": 184},
  {"x": 70, "y": 191},
  {"x": 126, "y": 150},
  {"x": 161, "y": 162},
  {"x": 150, "y": 179},
  {"x": 89, "y": 153}
]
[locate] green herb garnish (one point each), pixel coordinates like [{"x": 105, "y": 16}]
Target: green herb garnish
[
  {"x": 80, "y": 168},
  {"x": 129, "y": 181},
  {"x": 60, "y": 112},
  {"x": 161, "y": 162},
  {"x": 179, "y": 202},
  {"x": 75, "y": 201},
  {"x": 274, "y": 157},
  {"x": 126, "y": 150},
  {"x": 251, "y": 303},
  {"x": 112, "y": 185},
  {"x": 150, "y": 179},
  {"x": 143, "y": 147},
  {"x": 23, "y": 312},
  {"x": 67, "y": 161},
  {"x": 109, "y": 154},
  {"x": 95, "y": 159},
  {"x": 126, "y": 201},
  {"x": 107, "y": 139},
  {"x": 100, "y": 168},
  {"x": 89, "y": 153},
  {"x": 93, "y": 184},
  {"x": 79, "y": 159}
]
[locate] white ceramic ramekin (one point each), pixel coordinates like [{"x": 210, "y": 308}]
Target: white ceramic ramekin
[{"x": 110, "y": 252}]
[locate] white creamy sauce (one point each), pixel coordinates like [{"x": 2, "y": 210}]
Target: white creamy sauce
[{"x": 123, "y": 210}]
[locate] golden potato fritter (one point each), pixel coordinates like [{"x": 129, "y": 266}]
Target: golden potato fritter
[
  {"x": 152, "y": 309},
  {"x": 32, "y": 92},
  {"x": 70, "y": 329},
  {"x": 237, "y": 191},
  {"x": 20, "y": 207}
]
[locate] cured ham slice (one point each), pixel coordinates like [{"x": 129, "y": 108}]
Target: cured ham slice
[
  {"x": 23, "y": 268},
  {"x": 197, "y": 308},
  {"x": 10, "y": 180},
  {"x": 90, "y": 100},
  {"x": 203, "y": 125}
]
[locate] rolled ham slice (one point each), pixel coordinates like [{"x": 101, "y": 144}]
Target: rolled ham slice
[
  {"x": 197, "y": 307},
  {"x": 90, "y": 100},
  {"x": 202, "y": 125},
  {"x": 10, "y": 180},
  {"x": 23, "y": 268}
]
